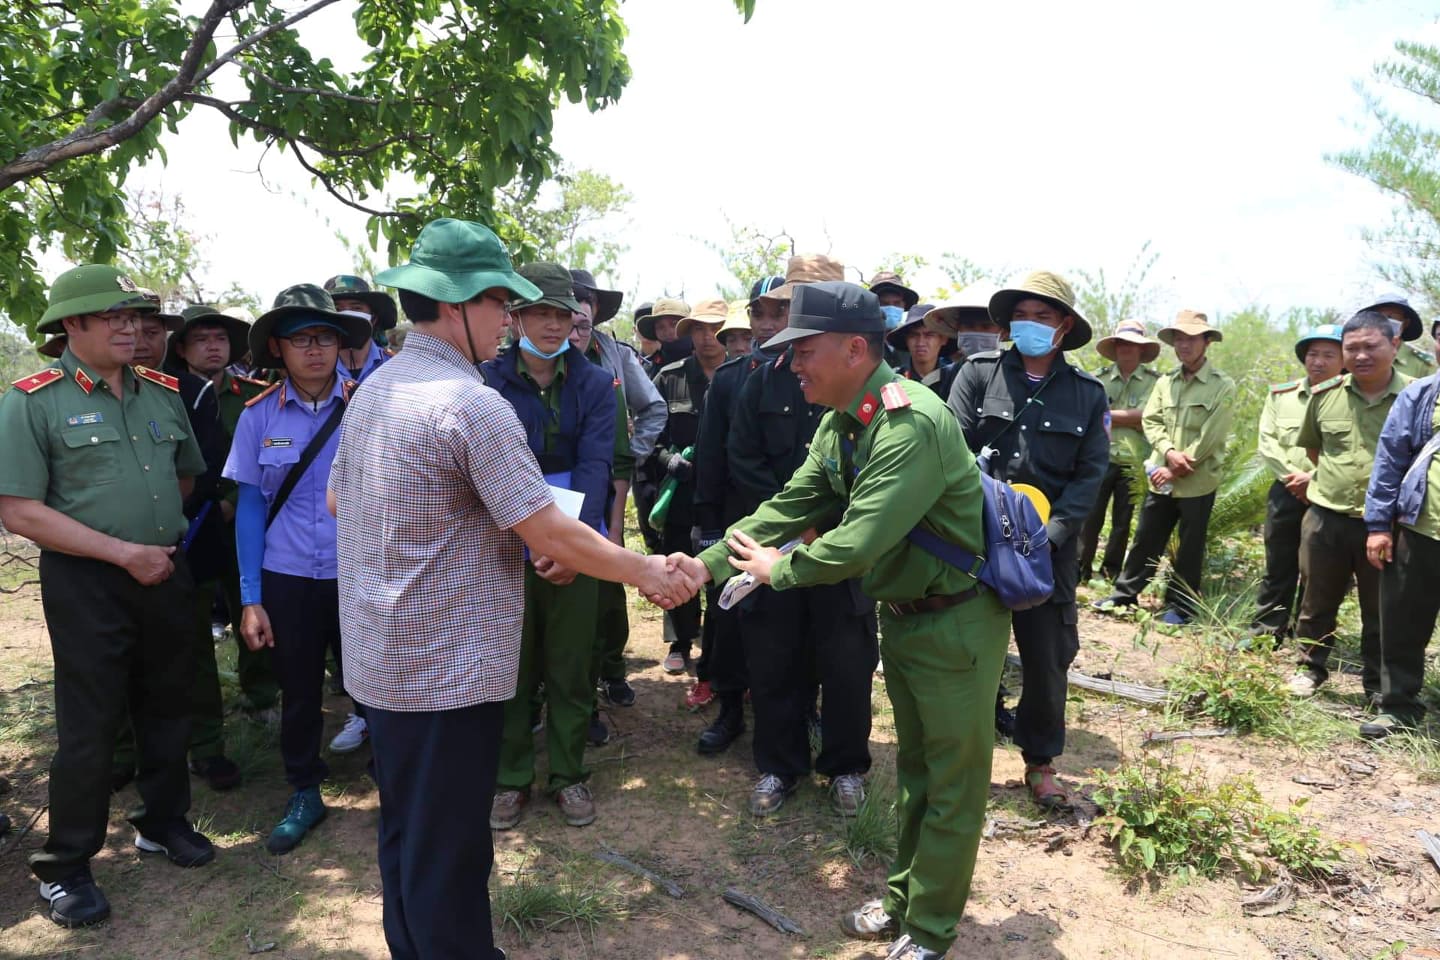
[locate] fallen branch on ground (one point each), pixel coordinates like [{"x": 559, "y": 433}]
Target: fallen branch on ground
[
  {"x": 669, "y": 886},
  {"x": 1114, "y": 688},
  {"x": 762, "y": 910},
  {"x": 1166, "y": 736},
  {"x": 15, "y": 841},
  {"x": 1431, "y": 845}
]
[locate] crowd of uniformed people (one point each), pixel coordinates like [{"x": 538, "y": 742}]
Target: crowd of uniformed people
[{"x": 173, "y": 464}]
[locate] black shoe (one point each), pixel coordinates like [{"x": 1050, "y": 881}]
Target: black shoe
[
  {"x": 218, "y": 771},
  {"x": 598, "y": 735},
  {"x": 1004, "y": 719},
  {"x": 182, "y": 844},
  {"x": 619, "y": 693},
  {"x": 717, "y": 737},
  {"x": 76, "y": 901}
]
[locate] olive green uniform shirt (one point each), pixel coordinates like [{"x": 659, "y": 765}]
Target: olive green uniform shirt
[
  {"x": 1280, "y": 419},
  {"x": 112, "y": 463},
  {"x": 1192, "y": 416},
  {"x": 1427, "y": 524},
  {"x": 1345, "y": 428},
  {"x": 1128, "y": 444},
  {"x": 913, "y": 467},
  {"x": 1414, "y": 361},
  {"x": 550, "y": 396}
]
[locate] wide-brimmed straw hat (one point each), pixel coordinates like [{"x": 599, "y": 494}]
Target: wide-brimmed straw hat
[
  {"x": 805, "y": 268},
  {"x": 887, "y": 280},
  {"x": 1190, "y": 322},
  {"x": 1051, "y": 288},
  {"x": 1129, "y": 331},
  {"x": 971, "y": 304},
  {"x": 738, "y": 318},
  {"x": 712, "y": 313},
  {"x": 664, "y": 307}
]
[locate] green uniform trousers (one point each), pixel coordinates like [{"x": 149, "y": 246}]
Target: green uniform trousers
[
  {"x": 555, "y": 648},
  {"x": 942, "y": 671},
  {"x": 1332, "y": 549},
  {"x": 612, "y": 632}
]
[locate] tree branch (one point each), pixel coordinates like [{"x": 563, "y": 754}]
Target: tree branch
[
  {"x": 227, "y": 109},
  {"x": 229, "y": 55},
  {"x": 312, "y": 91}
]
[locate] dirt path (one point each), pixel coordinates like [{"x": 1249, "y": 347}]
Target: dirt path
[{"x": 1046, "y": 892}]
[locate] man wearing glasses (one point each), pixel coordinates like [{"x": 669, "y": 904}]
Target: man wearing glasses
[
  {"x": 98, "y": 458},
  {"x": 284, "y": 444}
]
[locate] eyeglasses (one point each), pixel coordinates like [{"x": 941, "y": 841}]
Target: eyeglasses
[
  {"x": 120, "y": 319},
  {"x": 584, "y": 328},
  {"x": 303, "y": 341},
  {"x": 504, "y": 304}
]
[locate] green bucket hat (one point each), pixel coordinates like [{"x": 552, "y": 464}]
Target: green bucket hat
[
  {"x": 205, "y": 315},
  {"x": 553, "y": 287},
  {"x": 1051, "y": 288},
  {"x": 298, "y": 302},
  {"x": 454, "y": 261},
  {"x": 383, "y": 312},
  {"x": 90, "y": 288}
]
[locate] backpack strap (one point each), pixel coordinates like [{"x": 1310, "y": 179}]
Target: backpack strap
[
  {"x": 307, "y": 457},
  {"x": 942, "y": 549}
]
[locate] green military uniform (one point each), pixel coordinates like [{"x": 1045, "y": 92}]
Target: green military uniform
[
  {"x": 111, "y": 463},
  {"x": 909, "y": 466},
  {"x": 1128, "y": 450},
  {"x": 1344, "y": 427},
  {"x": 1282, "y": 454},
  {"x": 1414, "y": 362}
]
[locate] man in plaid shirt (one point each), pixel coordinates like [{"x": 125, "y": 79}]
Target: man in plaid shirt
[{"x": 436, "y": 492}]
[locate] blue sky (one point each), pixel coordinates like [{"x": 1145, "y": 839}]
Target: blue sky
[{"x": 1055, "y": 135}]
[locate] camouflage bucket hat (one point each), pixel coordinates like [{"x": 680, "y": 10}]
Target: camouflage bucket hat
[
  {"x": 454, "y": 261},
  {"x": 383, "y": 312},
  {"x": 1052, "y": 289},
  {"x": 91, "y": 288},
  {"x": 303, "y": 301},
  {"x": 204, "y": 315}
]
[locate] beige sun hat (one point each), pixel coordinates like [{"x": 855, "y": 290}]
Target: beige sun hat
[
  {"x": 712, "y": 313},
  {"x": 805, "y": 268},
  {"x": 1129, "y": 331},
  {"x": 664, "y": 307},
  {"x": 738, "y": 318},
  {"x": 971, "y": 303},
  {"x": 1051, "y": 288},
  {"x": 1193, "y": 323}
]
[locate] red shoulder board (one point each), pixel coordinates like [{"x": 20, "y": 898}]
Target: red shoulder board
[
  {"x": 263, "y": 394},
  {"x": 155, "y": 376},
  {"x": 37, "y": 380},
  {"x": 347, "y": 388},
  {"x": 894, "y": 396},
  {"x": 867, "y": 408}
]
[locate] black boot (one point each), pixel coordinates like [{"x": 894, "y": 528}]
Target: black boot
[{"x": 730, "y": 723}]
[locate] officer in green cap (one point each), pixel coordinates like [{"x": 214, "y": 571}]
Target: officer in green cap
[
  {"x": 99, "y": 456},
  {"x": 353, "y": 295},
  {"x": 886, "y": 459},
  {"x": 1285, "y": 505}
]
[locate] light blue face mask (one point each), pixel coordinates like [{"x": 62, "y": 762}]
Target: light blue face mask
[
  {"x": 1032, "y": 339},
  {"x": 894, "y": 316},
  {"x": 529, "y": 347}
]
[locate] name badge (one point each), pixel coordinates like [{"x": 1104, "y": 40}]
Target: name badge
[
  {"x": 278, "y": 441},
  {"x": 84, "y": 419}
]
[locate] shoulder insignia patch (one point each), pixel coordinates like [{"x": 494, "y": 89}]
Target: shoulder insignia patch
[
  {"x": 83, "y": 379},
  {"x": 894, "y": 396},
  {"x": 250, "y": 380},
  {"x": 262, "y": 395},
  {"x": 1285, "y": 387},
  {"x": 155, "y": 376},
  {"x": 1423, "y": 354},
  {"x": 37, "y": 380},
  {"x": 1330, "y": 384},
  {"x": 348, "y": 388},
  {"x": 868, "y": 406}
]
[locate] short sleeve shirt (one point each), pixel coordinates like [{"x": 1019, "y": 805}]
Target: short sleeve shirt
[
  {"x": 432, "y": 472},
  {"x": 111, "y": 463},
  {"x": 1128, "y": 444},
  {"x": 1345, "y": 428}
]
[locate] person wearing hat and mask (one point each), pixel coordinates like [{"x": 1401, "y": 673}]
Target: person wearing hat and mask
[
  {"x": 821, "y": 634},
  {"x": 99, "y": 456},
  {"x": 928, "y": 350},
  {"x": 896, "y": 300},
  {"x": 1402, "y": 519},
  {"x": 280, "y": 458},
  {"x": 734, "y": 335},
  {"x": 888, "y": 458},
  {"x": 639, "y": 417},
  {"x": 658, "y": 324},
  {"x": 1410, "y": 360},
  {"x": 1187, "y": 422},
  {"x": 1285, "y": 505},
  {"x": 1340, "y": 432},
  {"x": 1042, "y": 422},
  {"x": 1128, "y": 381},
  {"x": 567, "y": 406},
  {"x": 353, "y": 295},
  {"x": 717, "y": 503},
  {"x": 648, "y": 347},
  {"x": 434, "y": 610},
  {"x": 208, "y": 345},
  {"x": 966, "y": 320}
]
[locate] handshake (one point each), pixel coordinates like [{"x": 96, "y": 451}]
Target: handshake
[{"x": 671, "y": 581}]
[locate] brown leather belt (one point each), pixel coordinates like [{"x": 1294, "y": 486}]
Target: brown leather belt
[{"x": 932, "y": 604}]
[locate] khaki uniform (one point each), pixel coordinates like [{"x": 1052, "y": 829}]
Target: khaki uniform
[
  {"x": 1128, "y": 450},
  {"x": 1414, "y": 362},
  {"x": 1281, "y": 453}
]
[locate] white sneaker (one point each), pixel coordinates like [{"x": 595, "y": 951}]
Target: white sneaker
[
  {"x": 1302, "y": 685},
  {"x": 351, "y": 736}
]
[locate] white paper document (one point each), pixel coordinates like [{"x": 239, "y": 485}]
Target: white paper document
[{"x": 569, "y": 501}]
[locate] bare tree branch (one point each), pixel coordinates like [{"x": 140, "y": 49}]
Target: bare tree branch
[
  {"x": 227, "y": 108},
  {"x": 229, "y": 55}
]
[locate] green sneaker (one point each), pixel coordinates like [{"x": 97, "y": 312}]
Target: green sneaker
[{"x": 304, "y": 811}]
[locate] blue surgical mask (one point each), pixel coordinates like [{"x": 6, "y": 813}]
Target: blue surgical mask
[
  {"x": 894, "y": 316},
  {"x": 529, "y": 347},
  {"x": 1032, "y": 339}
]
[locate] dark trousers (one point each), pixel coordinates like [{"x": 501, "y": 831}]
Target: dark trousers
[
  {"x": 1409, "y": 604},
  {"x": 1332, "y": 548},
  {"x": 1114, "y": 489},
  {"x": 645, "y": 493},
  {"x": 722, "y": 657},
  {"x": 787, "y": 634},
  {"x": 436, "y": 775},
  {"x": 612, "y": 632},
  {"x": 305, "y": 617},
  {"x": 115, "y": 644},
  {"x": 1159, "y": 515},
  {"x": 682, "y": 624},
  {"x": 1048, "y": 640},
  {"x": 1275, "y": 604}
]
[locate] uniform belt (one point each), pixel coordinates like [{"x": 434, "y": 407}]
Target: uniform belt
[{"x": 932, "y": 604}]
